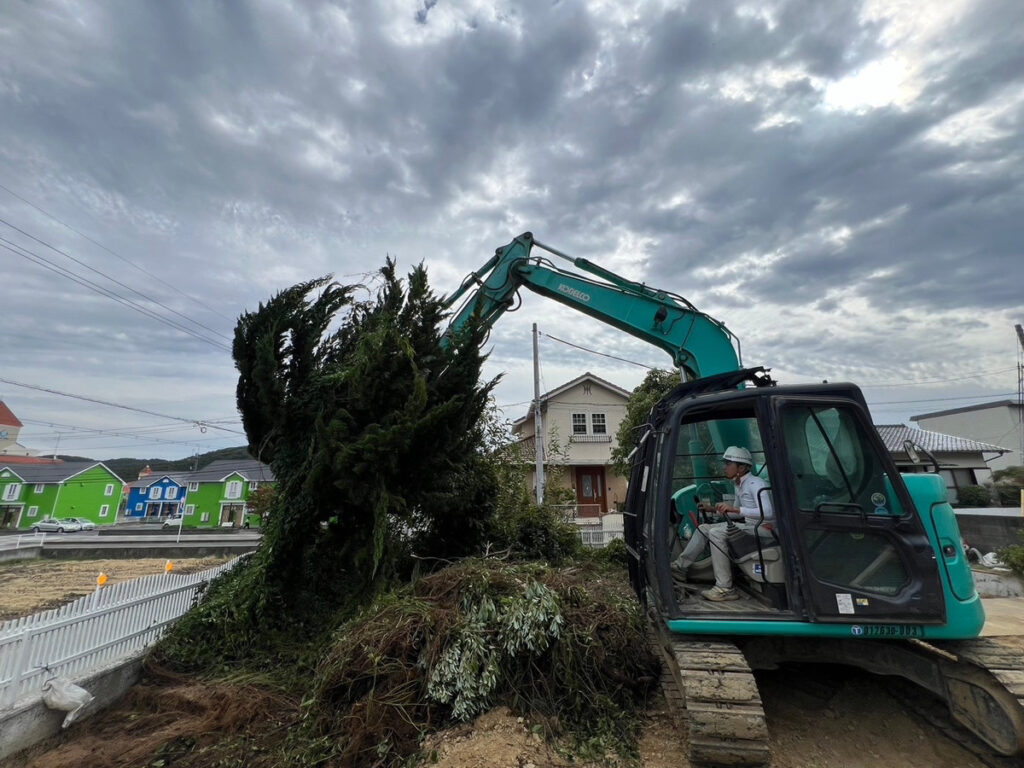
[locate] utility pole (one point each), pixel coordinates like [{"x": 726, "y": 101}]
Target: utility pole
[
  {"x": 538, "y": 424},
  {"x": 1020, "y": 391}
]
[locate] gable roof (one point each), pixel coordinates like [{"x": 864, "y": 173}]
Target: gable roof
[
  {"x": 967, "y": 409},
  {"x": 54, "y": 473},
  {"x": 588, "y": 376},
  {"x": 893, "y": 436},
  {"x": 179, "y": 478},
  {"x": 220, "y": 470},
  {"x": 7, "y": 418}
]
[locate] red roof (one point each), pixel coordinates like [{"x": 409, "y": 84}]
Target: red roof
[
  {"x": 7, "y": 418},
  {"x": 4, "y": 459}
]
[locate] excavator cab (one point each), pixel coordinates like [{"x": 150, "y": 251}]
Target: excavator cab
[{"x": 847, "y": 551}]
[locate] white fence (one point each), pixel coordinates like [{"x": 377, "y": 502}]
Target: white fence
[
  {"x": 94, "y": 630},
  {"x": 598, "y": 538},
  {"x": 24, "y": 540}
]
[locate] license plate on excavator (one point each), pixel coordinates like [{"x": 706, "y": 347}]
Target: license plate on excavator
[{"x": 887, "y": 630}]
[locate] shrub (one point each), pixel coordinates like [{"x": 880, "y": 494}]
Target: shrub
[
  {"x": 535, "y": 533},
  {"x": 1009, "y": 495},
  {"x": 973, "y": 496},
  {"x": 1013, "y": 556}
]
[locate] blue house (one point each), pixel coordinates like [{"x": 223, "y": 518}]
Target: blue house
[{"x": 155, "y": 497}]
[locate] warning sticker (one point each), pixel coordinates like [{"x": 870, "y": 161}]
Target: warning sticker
[{"x": 844, "y": 601}]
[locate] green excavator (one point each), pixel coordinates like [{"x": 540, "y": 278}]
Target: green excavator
[{"x": 849, "y": 561}]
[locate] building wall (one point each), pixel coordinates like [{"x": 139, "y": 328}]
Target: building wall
[
  {"x": 998, "y": 426},
  {"x": 85, "y": 495},
  {"x": 210, "y": 498}
]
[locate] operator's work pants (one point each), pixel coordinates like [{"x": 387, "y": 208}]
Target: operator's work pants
[{"x": 721, "y": 563}]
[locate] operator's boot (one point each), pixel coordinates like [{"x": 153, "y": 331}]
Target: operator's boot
[{"x": 720, "y": 594}]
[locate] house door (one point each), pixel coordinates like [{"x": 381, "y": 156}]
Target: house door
[
  {"x": 9, "y": 516},
  {"x": 590, "y": 492}
]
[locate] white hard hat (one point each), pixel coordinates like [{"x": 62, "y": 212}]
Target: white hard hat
[{"x": 739, "y": 455}]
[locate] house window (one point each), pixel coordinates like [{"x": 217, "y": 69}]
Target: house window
[
  {"x": 234, "y": 490},
  {"x": 104, "y": 510},
  {"x": 33, "y": 511},
  {"x": 39, "y": 488},
  {"x": 109, "y": 490},
  {"x": 138, "y": 507},
  {"x": 193, "y": 487},
  {"x": 253, "y": 485},
  {"x": 205, "y": 518},
  {"x": 598, "y": 424},
  {"x": 172, "y": 492},
  {"x": 190, "y": 509},
  {"x": 579, "y": 423},
  {"x": 12, "y": 491},
  {"x": 154, "y": 492}
]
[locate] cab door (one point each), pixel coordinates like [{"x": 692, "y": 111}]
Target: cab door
[{"x": 862, "y": 550}]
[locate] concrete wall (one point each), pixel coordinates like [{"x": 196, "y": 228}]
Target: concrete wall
[
  {"x": 32, "y": 722},
  {"x": 990, "y": 533}
]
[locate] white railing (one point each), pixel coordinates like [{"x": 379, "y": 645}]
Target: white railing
[
  {"x": 598, "y": 539},
  {"x": 24, "y": 540},
  {"x": 591, "y": 513},
  {"x": 94, "y": 630}
]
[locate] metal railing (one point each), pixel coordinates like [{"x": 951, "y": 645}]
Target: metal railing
[
  {"x": 574, "y": 512},
  {"x": 598, "y": 539},
  {"x": 24, "y": 540},
  {"x": 94, "y": 630}
]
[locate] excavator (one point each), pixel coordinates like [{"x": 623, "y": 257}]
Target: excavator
[{"x": 858, "y": 564}]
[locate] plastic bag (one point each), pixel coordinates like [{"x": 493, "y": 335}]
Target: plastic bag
[{"x": 60, "y": 693}]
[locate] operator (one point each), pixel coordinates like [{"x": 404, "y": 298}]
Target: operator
[{"x": 738, "y": 463}]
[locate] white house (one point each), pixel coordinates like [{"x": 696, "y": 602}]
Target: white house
[
  {"x": 580, "y": 418},
  {"x": 998, "y": 424}
]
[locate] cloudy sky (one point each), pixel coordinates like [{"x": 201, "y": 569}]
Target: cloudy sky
[{"x": 841, "y": 183}]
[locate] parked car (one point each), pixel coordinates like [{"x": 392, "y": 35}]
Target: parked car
[
  {"x": 55, "y": 525},
  {"x": 85, "y": 525},
  {"x": 173, "y": 522}
]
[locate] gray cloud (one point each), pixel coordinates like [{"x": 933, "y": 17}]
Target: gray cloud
[{"x": 841, "y": 186}]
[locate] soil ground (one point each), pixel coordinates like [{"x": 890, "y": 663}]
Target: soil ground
[
  {"x": 30, "y": 586},
  {"x": 819, "y": 717}
]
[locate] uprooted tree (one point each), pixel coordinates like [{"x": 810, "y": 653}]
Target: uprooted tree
[{"x": 374, "y": 433}]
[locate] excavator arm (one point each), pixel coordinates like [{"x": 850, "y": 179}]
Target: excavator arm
[{"x": 698, "y": 344}]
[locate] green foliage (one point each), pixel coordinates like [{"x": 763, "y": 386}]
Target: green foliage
[
  {"x": 535, "y": 533},
  {"x": 613, "y": 554},
  {"x": 973, "y": 496},
  {"x": 1013, "y": 556},
  {"x": 652, "y": 389},
  {"x": 566, "y": 648},
  {"x": 1009, "y": 495},
  {"x": 1010, "y": 476}
]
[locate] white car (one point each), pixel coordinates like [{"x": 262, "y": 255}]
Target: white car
[
  {"x": 54, "y": 525},
  {"x": 85, "y": 525},
  {"x": 173, "y": 522}
]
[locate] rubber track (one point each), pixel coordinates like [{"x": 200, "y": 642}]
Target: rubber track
[
  {"x": 1002, "y": 656},
  {"x": 724, "y": 716}
]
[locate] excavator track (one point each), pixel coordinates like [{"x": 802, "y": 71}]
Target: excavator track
[{"x": 711, "y": 682}]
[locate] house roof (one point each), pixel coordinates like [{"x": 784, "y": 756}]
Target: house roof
[
  {"x": 179, "y": 478},
  {"x": 53, "y": 473},
  {"x": 7, "y": 418},
  {"x": 966, "y": 409},
  {"x": 588, "y": 376},
  {"x": 217, "y": 471},
  {"x": 5, "y": 459},
  {"x": 893, "y": 436}
]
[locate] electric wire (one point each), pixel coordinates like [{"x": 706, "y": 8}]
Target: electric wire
[
  {"x": 63, "y": 272},
  {"x": 113, "y": 280},
  {"x": 129, "y": 262},
  {"x": 197, "y": 422}
]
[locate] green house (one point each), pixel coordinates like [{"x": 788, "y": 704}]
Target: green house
[
  {"x": 218, "y": 495},
  {"x": 30, "y": 492}
]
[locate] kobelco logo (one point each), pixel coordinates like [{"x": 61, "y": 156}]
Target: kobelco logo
[{"x": 570, "y": 291}]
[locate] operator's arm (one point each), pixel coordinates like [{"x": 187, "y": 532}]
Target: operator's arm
[{"x": 753, "y": 497}]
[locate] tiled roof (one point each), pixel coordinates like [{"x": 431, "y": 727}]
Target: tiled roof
[
  {"x": 7, "y": 418},
  {"x": 51, "y": 473},
  {"x": 625, "y": 393},
  {"x": 893, "y": 436},
  {"x": 4, "y": 459},
  {"x": 249, "y": 469},
  {"x": 180, "y": 478}
]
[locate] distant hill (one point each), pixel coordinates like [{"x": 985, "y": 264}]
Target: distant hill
[{"x": 128, "y": 469}]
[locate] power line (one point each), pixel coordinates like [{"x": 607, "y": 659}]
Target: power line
[
  {"x": 203, "y": 425},
  {"x": 977, "y": 375},
  {"x": 113, "y": 280},
  {"x": 115, "y": 254},
  {"x": 63, "y": 272},
  {"x": 941, "y": 399},
  {"x": 595, "y": 352}
]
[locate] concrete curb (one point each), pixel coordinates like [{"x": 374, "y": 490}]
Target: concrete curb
[{"x": 32, "y": 722}]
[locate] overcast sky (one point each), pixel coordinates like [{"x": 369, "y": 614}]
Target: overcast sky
[{"x": 840, "y": 183}]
